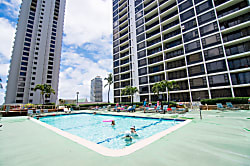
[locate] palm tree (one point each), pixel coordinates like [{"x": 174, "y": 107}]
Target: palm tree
[
  {"x": 48, "y": 90},
  {"x": 130, "y": 91},
  {"x": 170, "y": 85},
  {"x": 41, "y": 88},
  {"x": 157, "y": 88},
  {"x": 110, "y": 82},
  {"x": 45, "y": 90}
]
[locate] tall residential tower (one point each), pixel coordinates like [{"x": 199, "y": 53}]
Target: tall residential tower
[
  {"x": 203, "y": 45},
  {"x": 37, "y": 51},
  {"x": 96, "y": 89}
]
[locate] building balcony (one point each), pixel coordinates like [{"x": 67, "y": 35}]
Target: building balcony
[{"x": 165, "y": 8}]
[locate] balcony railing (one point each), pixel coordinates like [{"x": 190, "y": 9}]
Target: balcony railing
[
  {"x": 219, "y": 2},
  {"x": 169, "y": 16},
  {"x": 149, "y": 18},
  {"x": 153, "y": 33},
  {"x": 168, "y": 7},
  {"x": 155, "y": 50},
  {"x": 170, "y": 25},
  {"x": 153, "y": 42},
  {"x": 151, "y": 9},
  {"x": 232, "y": 9},
  {"x": 171, "y": 34},
  {"x": 152, "y": 25},
  {"x": 173, "y": 44},
  {"x": 235, "y": 21}
]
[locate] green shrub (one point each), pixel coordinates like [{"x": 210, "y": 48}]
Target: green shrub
[{"x": 233, "y": 100}]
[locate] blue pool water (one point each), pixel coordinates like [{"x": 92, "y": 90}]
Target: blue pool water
[{"x": 91, "y": 127}]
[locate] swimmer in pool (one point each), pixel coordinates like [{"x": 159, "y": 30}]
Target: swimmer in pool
[
  {"x": 133, "y": 132},
  {"x": 127, "y": 137},
  {"x": 112, "y": 123}
]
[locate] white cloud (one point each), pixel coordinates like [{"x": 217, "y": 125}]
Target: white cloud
[
  {"x": 7, "y": 37},
  {"x": 87, "y": 21},
  {"x": 77, "y": 74},
  {"x": 12, "y": 7}
]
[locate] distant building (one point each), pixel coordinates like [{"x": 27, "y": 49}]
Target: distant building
[
  {"x": 96, "y": 89},
  {"x": 37, "y": 51}
]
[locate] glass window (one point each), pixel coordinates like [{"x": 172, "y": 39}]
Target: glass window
[
  {"x": 139, "y": 30},
  {"x": 141, "y": 54},
  {"x": 216, "y": 66},
  {"x": 213, "y": 53},
  {"x": 196, "y": 70},
  {"x": 140, "y": 37},
  {"x": 141, "y": 46},
  {"x": 139, "y": 15},
  {"x": 142, "y": 62},
  {"x": 115, "y": 7},
  {"x": 203, "y": 7},
  {"x": 221, "y": 93},
  {"x": 194, "y": 58},
  {"x": 139, "y": 22},
  {"x": 190, "y": 35},
  {"x": 239, "y": 63},
  {"x": 192, "y": 46},
  {"x": 211, "y": 40},
  {"x": 138, "y": 8},
  {"x": 218, "y": 80},
  {"x": 143, "y": 89},
  {"x": 188, "y": 14},
  {"x": 198, "y": 95},
  {"x": 143, "y": 80},
  {"x": 188, "y": 25},
  {"x": 142, "y": 71},
  {"x": 206, "y": 17},
  {"x": 185, "y": 5},
  {"x": 116, "y": 63},
  {"x": 198, "y": 83},
  {"x": 137, "y": 2},
  {"x": 210, "y": 28}
]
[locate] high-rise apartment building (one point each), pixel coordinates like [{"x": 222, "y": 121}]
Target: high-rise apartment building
[
  {"x": 203, "y": 45},
  {"x": 96, "y": 89},
  {"x": 37, "y": 51}
]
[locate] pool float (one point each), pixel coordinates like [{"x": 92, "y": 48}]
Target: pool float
[{"x": 108, "y": 120}]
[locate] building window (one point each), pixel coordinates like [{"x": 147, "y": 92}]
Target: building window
[
  {"x": 218, "y": 80},
  {"x": 204, "y": 7},
  {"x": 198, "y": 83},
  {"x": 211, "y": 40},
  {"x": 216, "y": 66}
]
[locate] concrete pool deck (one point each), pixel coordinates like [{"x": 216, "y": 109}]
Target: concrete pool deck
[{"x": 220, "y": 138}]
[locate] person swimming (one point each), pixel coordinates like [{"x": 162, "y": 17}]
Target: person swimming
[
  {"x": 127, "y": 137},
  {"x": 133, "y": 132},
  {"x": 112, "y": 122}
]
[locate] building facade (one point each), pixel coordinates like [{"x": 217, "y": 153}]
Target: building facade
[
  {"x": 37, "y": 51},
  {"x": 203, "y": 45},
  {"x": 96, "y": 89}
]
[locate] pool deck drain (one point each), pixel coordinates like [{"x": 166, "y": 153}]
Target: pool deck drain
[{"x": 201, "y": 142}]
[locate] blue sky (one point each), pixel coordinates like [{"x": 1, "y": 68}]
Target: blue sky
[{"x": 86, "y": 47}]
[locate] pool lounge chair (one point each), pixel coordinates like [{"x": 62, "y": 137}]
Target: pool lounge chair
[
  {"x": 158, "y": 109},
  {"x": 38, "y": 111},
  {"x": 45, "y": 111},
  {"x": 150, "y": 109},
  {"x": 231, "y": 107},
  {"x": 164, "y": 109},
  {"x": 30, "y": 113},
  {"x": 220, "y": 106},
  {"x": 173, "y": 109},
  {"x": 132, "y": 109}
]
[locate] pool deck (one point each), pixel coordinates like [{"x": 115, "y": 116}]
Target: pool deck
[{"x": 220, "y": 138}]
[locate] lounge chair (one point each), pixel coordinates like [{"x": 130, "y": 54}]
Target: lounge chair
[
  {"x": 45, "y": 111},
  {"x": 109, "y": 108},
  {"x": 30, "y": 113},
  {"x": 220, "y": 106},
  {"x": 158, "y": 109},
  {"x": 38, "y": 111},
  {"x": 165, "y": 107},
  {"x": 173, "y": 109},
  {"x": 150, "y": 109},
  {"x": 66, "y": 110},
  {"x": 132, "y": 109},
  {"x": 230, "y": 106}
]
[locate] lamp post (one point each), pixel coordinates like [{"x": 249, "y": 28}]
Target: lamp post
[{"x": 77, "y": 93}]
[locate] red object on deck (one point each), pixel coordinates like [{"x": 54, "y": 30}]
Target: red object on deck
[{"x": 169, "y": 109}]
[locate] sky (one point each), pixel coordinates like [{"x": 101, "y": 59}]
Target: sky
[{"x": 86, "y": 45}]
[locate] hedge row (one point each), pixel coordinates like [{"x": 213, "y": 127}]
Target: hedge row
[
  {"x": 122, "y": 103},
  {"x": 233, "y": 100}
]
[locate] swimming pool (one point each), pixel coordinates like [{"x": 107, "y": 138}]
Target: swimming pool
[{"x": 92, "y": 128}]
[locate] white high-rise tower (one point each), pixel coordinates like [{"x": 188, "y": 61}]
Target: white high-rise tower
[{"x": 37, "y": 51}]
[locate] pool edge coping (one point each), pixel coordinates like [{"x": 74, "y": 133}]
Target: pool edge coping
[{"x": 112, "y": 152}]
